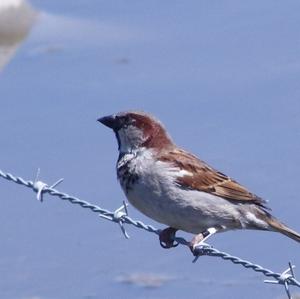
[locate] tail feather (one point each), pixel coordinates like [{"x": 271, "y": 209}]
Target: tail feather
[{"x": 277, "y": 226}]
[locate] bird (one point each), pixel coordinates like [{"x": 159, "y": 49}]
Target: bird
[{"x": 177, "y": 189}]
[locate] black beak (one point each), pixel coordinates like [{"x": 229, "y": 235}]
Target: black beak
[{"x": 110, "y": 121}]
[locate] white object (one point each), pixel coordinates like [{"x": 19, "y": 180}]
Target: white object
[{"x": 16, "y": 20}]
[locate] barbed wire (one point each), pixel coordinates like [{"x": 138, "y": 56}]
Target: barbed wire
[{"x": 120, "y": 216}]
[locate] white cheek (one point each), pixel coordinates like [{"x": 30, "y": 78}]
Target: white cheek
[{"x": 130, "y": 138}]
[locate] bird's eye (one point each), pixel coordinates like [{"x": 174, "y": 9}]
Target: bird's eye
[{"x": 126, "y": 121}]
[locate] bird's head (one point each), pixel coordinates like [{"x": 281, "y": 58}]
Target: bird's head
[{"x": 136, "y": 130}]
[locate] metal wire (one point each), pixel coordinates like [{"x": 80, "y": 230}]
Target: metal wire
[{"x": 120, "y": 216}]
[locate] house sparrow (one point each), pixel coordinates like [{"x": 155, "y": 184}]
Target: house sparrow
[{"x": 175, "y": 188}]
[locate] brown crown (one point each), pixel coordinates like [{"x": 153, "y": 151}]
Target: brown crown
[{"x": 154, "y": 132}]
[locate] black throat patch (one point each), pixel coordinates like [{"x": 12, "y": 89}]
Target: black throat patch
[{"x": 126, "y": 173}]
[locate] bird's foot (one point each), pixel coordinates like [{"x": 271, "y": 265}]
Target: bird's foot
[
  {"x": 200, "y": 238},
  {"x": 167, "y": 236}
]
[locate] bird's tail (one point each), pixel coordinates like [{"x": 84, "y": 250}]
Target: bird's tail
[{"x": 277, "y": 226}]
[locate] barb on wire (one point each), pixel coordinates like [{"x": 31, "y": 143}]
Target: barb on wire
[
  {"x": 283, "y": 279},
  {"x": 286, "y": 278},
  {"x": 39, "y": 186},
  {"x": 120, "y": 216}
]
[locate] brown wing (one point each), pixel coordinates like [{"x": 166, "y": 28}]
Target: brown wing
[{"x": 207, "y": 179}]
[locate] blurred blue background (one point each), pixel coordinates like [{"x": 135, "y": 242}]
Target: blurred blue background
[{"x": 223, "y": 76}]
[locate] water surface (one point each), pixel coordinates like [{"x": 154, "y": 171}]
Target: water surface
[{"x": 223, "y": 77}]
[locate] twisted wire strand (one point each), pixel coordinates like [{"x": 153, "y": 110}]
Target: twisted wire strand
[
  {"x": 8, "y": 176},
  {"x": 208, "y": 250},
  {"x": 121, "y": 218}
]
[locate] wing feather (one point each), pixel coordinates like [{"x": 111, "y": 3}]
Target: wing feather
[{"x": 205, "y": 178}]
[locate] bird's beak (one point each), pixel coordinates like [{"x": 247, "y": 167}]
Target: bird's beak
[{"x": 110, "y": 121}]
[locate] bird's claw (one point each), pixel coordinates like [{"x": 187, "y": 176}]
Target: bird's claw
[
  {"x": 168, "y": 245},
  {"x": 200, "y": 239},
  {"x": 166, "y": 238},
  {"x": 196, "y": 241}
]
